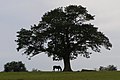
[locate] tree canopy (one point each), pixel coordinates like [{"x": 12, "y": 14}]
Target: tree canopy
[{"x": 63, "y": 33}]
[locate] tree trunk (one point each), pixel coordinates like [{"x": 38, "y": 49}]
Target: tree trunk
[{"x": 67, "y": 66}]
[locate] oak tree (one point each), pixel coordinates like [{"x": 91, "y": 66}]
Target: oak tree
[{"x": 63, "y": 34}]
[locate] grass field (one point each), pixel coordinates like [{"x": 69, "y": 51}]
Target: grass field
[{"x": 60, "y": 76}]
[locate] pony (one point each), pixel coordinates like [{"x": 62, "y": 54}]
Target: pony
[{"x": 57, "y": 67}]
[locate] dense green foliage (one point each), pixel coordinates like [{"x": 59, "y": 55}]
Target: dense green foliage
[
  {"x": 61, "y": 76},
  {"x": 14, "y": 67},
  {"x": 63, "y": 33},
  {"x": 108, "y": 68}
]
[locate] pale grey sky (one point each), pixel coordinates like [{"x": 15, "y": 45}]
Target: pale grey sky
[{"x": 17, "y": 14}]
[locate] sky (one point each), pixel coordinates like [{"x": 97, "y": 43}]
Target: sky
[{"x": 17, "y": 14}]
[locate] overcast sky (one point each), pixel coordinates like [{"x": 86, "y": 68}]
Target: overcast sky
[{"x": 17, "y": 14}]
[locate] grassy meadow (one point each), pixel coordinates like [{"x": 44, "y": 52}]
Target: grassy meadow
[{"x": 60, "y": 76}]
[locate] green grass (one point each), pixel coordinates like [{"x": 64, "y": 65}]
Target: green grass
[{"x": 60, "y": 76}]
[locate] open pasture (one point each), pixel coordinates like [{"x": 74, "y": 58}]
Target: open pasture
[{"x": 60, "y": 76}]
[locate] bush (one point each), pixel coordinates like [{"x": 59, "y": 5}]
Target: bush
[
  {"x": 108, "y": 68},
  {"x": 14, "y": 67},
  {"x": 35, "y": 70}
]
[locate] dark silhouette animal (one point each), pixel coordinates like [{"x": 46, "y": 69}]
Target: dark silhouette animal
[{"x": 57, "y": 67}]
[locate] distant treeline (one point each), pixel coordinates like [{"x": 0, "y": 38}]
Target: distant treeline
[{"x": 20, "y": 67}]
